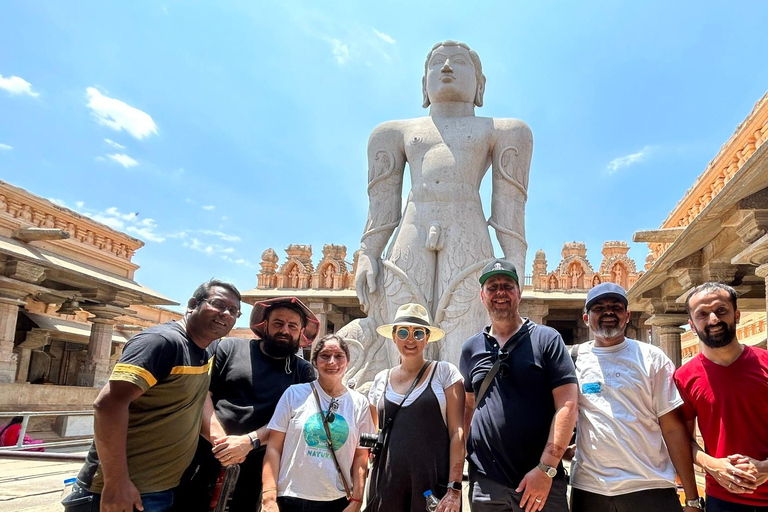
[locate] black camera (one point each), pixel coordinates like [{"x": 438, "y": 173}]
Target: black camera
[{"x": 373, "y": 441}]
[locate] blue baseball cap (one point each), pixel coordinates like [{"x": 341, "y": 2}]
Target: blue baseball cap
[{"x": 606, "y": 291}]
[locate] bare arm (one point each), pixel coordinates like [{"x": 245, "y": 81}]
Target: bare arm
[
  {"x": 536, "y": 484},
  {"x": 469, "y": 411},
  {"x": 210, "y": 429},
  {"x": 270, "y": 471},
  {"x": 454, "y": 412},
  {"x": 511, "y": 163},
  {"x": 110, "y": 434},
  {"x": 359, "y": 472},
  {"x": 676, "y": 437},
  {"x": 732, "y": 477}
]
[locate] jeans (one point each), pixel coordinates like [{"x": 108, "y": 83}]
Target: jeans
[
  {"x": 82, "y": 500},
  {"x": 718, "y": 505}
]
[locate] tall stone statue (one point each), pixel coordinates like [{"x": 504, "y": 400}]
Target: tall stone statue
[{"x": 441, "y": 240}]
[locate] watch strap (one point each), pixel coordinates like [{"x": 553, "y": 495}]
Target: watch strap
[
  {"x": 456, "y": 486},
  {"x": 255, "y": 441},
  {"x": 548, "y": 470},
  {"x": 697, "y": 503}
]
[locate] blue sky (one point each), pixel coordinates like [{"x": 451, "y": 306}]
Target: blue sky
[{"x": 214, "y": 130}]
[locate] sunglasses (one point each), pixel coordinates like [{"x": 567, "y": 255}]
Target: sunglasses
[
  {"x": 332, "y": 408},
  {"x": 503, "y": 366},
  {"x": 419, "y": 333}
]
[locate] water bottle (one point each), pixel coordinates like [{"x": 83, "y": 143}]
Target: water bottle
[
  {"x": 68, "y": 483},
  {"x": 432, "y": 501}
]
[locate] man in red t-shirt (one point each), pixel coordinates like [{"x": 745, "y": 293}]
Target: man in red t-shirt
[{"x": 725, "y": 387}]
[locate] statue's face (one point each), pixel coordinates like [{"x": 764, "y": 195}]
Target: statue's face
[{"x": 451, "y": 75}]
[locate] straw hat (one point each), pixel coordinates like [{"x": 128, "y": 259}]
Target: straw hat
[{"x": 415, "y": 315}]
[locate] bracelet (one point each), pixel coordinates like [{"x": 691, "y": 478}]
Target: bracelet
[
  {"x": 355, "y": 499},
  {"x": 268, "y": 490}
]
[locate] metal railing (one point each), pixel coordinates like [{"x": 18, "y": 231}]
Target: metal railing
[{"x": 26, "y": 415}]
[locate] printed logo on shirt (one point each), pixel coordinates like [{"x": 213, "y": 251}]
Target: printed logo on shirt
[
  {"x": 590, "y": 387},
  {"x": 314, "y": 434}
]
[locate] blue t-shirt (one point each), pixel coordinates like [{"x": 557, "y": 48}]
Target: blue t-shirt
[{"x": 511, "y": 422}]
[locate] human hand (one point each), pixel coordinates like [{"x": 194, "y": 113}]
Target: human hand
[
  {"x": 121, "y": 496},
  {"x": 732, "y": 478},
  {"x": 753, "y": 467},
  {"x": 354, "y": 506},
  {"x": 535, "y": 487},
  {"x": 269, "y": 506},
  {"x": 451, "y": 502},
  {"x": 569, "y": 452},
  {"x": 232, "y": 449}
]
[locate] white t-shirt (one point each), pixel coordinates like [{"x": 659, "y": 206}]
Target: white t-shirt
[
  {"x": 623, "y": 390},
  {"x": 445, "y": 376},
  {"x": 307, "y": 469}
]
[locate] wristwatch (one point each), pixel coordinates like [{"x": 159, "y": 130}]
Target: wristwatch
[
  {"x": 548, "y": 470},
  {"x": 255, "y": 441},
  {"x": 697, "y": 503},
  {"x": 456, "y": 486}
]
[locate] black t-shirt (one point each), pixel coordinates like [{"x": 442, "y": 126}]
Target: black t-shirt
[
  {"x": 511, "y": 423},
  {"x": 246, "y": 384}
]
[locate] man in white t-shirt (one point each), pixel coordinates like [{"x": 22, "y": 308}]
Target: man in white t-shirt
[{"x": 631, "y": 437}]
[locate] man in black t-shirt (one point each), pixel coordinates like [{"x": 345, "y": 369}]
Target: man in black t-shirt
[
  {"x": 247, "y": 381},
  {"x": 523, "y": 422}
]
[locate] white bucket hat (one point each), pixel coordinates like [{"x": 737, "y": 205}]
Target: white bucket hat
[{"x": 414, "y": 315}]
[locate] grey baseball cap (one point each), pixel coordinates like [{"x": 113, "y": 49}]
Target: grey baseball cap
[{"x": 605, "y": 291}]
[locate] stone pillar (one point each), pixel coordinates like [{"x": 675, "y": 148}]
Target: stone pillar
[
  {"x": 25, "y": 355},
  {"x": 97, "y": 368},
  {"x": 320, "y": 309},
  {"x": 9, "y": 310},
  {"x": 667, "y": 327},
  {"x": 762, "y": 271},
  {"x": 535, "y": 310}
]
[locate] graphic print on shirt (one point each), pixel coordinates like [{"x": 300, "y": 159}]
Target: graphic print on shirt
[{"x": 317, "y": 441}]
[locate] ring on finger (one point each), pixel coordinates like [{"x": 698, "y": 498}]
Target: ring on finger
[{"x": 538, "y": 500}]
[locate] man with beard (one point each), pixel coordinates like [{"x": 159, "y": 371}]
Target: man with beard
[
  {"x": 725, "y": 388},
  {"x": 522, "y": 379},
  {"x": 631, "y": 437},
  {"x": 247, "y": 381}
]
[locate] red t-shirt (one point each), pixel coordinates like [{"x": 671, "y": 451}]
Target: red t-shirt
[{"x": 731, "y": 404}]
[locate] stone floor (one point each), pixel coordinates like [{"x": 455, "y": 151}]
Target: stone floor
[{"x": 33, "y": 485}]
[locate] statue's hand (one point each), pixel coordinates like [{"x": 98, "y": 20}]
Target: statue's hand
[{"x": 365, "y": 279}]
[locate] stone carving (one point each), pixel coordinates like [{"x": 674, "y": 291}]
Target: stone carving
[
  {"x": 297, "y": 271},
  {"x": 441, "y": 241},
  {"x": 3, "y": 203}
]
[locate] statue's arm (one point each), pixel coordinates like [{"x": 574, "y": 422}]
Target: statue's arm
[
  {"x": 386, "y": 163},
  {"x": 511, "y": 164}
]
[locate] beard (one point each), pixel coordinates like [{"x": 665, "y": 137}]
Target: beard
[
  {"x": 280, "y": 345},
  {"x": 609, "y": 332},
  {"x": 718, "y": 340}
]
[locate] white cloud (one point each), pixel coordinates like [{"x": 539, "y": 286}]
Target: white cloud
[
  {"x": 223, "y": 236},
  {"x": 124, "y": 160},
  {"x": 57, "y": 202},
  {"x": 209, "y": 207},
  {"x": 114, "y": 144},
  {"x": 5, "y": 147},
  {"x": 625, "y": 161},
  {"x": 340, "y": 51},
  {"x": 17, "y": 85},
  {"x": 210, "y": 249},
  {"x": 119, "y": 116},
  {"x": 384, "y": 37},
  {"x": 146, "y": 230},
  {"x": 238, "y": 261}
]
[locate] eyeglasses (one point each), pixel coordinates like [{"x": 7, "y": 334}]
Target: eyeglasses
[
  {"x": 326, "y": 358},
  {"x": 503, "y": 367},
  {"x": 332, "y": 408},
  {"x": 221, "y": 306},
  {"x": 419, "y": 333}
]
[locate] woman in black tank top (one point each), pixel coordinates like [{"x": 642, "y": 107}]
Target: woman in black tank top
[{"x": 424, "y": 447}]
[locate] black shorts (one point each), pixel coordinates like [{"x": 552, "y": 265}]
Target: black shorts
[{"x": 656, "y": 500}]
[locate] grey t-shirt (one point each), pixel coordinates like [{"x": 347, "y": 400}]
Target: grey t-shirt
[{"x": 246, "y": 384}]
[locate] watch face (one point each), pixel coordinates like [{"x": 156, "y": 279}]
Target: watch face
[
  {"x": 552, "y": 472},
  {"x": 456, "y": 486}
]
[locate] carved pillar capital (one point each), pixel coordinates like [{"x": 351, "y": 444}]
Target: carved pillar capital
[{"x": 666, "y": 329}]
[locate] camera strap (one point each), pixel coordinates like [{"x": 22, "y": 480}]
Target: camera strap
[
  {"x": 347, "y": 489},
  {"x": 507, "y": 348}
]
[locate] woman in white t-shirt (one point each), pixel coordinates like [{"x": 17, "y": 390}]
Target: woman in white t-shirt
[
  {"x": 299, "y": 469},
  {"x": 424, "y": 446}
]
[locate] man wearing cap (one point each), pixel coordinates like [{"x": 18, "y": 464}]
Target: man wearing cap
[
  {"x": 247, "y": 381},
  {"x": 631, "y": 437},
  {"x": 522, "y": 379}
]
